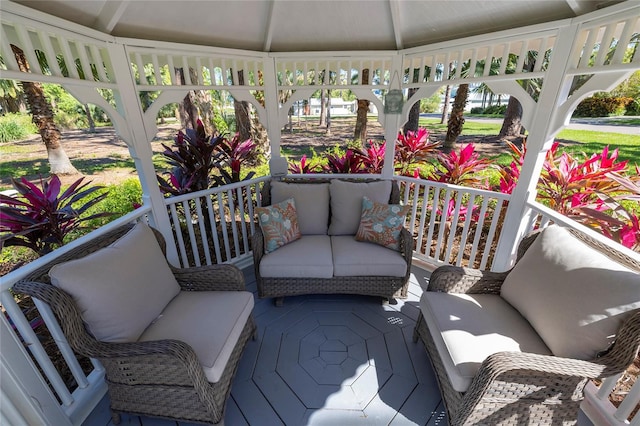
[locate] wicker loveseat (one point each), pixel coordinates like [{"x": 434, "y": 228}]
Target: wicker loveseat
[
  {"x": 170, "y": 339},
  {"x": 518, "y": 347},
  {"x": 327, "y": 259}
]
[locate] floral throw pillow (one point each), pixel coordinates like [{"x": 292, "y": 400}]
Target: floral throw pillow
[
  {"x": 381, "y": 223},
  {"x": 279, "y": 224}
]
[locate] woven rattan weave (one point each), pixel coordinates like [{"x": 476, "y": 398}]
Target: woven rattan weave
[
  {"x": 155, "y": 378},
  {"x": 383, "y": 286},
  {"x": 514, "y": 388}
]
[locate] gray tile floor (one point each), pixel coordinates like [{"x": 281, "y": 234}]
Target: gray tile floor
[{"x": 329, "y": 360}]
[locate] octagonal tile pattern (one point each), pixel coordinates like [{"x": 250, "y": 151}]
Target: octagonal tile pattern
[{"x": 336, "y": 360}]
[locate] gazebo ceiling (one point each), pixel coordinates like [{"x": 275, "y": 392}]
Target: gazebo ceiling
[{"x": 310, "y": 25}]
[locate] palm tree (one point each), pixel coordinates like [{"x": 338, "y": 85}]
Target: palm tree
[
  {"x": 42, "y": 117},
  {"x": 414, "y": 113},
  {"x": 243, "y": 113},
  {"x": 512, "y": 123},
  {"x": 360, "y": 131},
  {"x": 456, "y": 120},
  {"x": 187, "y": 109},
  {"x": 445, "y": 107}
]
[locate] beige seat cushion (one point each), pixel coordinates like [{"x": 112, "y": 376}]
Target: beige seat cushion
[
  {"x": 356, "y": 258},
  {"x": 119, "y": 289},
  {"x": 467, "y": 328},
  {"x": 209, "y": 321},
  {"x": 346, "y": 203},
  {"x": 312, "y": 204},
  {"x": 308, "y": 257},
  {"x": 561, "y": 280}
]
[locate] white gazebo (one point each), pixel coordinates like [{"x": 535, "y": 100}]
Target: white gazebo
[{"x": 123, "y": 46}]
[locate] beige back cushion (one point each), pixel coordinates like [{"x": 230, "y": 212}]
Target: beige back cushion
[
  {"x": 119, "y": 289},
  {"x": 312, "y": 204},
  {"x": 574, "y": 296},
  {"x": 346, "y": 203}
]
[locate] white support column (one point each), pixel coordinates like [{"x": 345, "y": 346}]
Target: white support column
[
  {"x": 277, "y": 163},
  {"x": 554, "y": 93},
  {"x": 392, "y": 122},
  {"x": 139, "y": 143}
]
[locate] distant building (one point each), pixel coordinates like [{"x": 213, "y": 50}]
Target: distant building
[{"x": 338, "y": 107}]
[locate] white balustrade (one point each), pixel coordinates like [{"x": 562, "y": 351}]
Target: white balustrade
[
  {"x": 90, "y": 386},
  {"x": 453, "y": 224},
  {"x": 213, "y": 226}
]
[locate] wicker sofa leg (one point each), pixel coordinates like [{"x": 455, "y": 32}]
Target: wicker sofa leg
[
  {"x": 278, "y": 301},
  {"x": 115, "y": 418}
]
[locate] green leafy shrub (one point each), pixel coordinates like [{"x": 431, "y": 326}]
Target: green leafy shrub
[
  {"x": 598, "y": 106},
  {"x": 65, "y": 120},
  {"x": 495, "y": 110},
  {"x": 15, "y": 127},
  {"x": 477, "y": 110},
  {"x": 120, "y": 200},
  {"x": 633, "y": 107},
  {"x": 431, "y": 104}
]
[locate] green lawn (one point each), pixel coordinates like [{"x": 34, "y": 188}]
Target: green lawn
[{"x": 576, "y": 141}]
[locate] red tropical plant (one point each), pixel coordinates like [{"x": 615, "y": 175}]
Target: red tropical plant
[
  {"x": 201, "y": 161},
  {"x": 350, "y": 163},
  {"x": 413, "y": 149},
  {"x": 373, "y": 157},
  {"x": 567, "y": 182},
  {"x": 237, "y": 153},
  {"x": 509, "y": 175},
  {"x": 41, "y": 218},
  {"x": 193, "y": 155},
  {"x": 303, "y": 167},
  {"x": 460, "y": 168},
  {"x": 589, "y": 190},
  {"x": 615, "y": 221}
]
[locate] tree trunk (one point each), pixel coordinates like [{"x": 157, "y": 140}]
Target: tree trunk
[
  {"x": 187, "y": 109},
  {"x": 328, "y": 119},
  {"x": 242, "y": 112},
  {"x": 243, "y": 120},
  {"x": 42, "y": 117},
  {"x": 323, "y": 110},
  {"x": 92, "y": 124},
  {"x": 414, "y": 115},
  {"x": 445, "y": 108},
  {"x": 360, "y": 131},
  {"x": 456, "y": 121},
  {"x": 512, "y": 123},
  {"x": 203, "y": 104},
  {"x": 261, "y": 138}
]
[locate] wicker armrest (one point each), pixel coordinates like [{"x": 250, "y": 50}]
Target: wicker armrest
[
  {"x": 210, "y": 278},
  {"x": 517, "y": 375},
  {"x": 170, "y": 348},
  {"x": 257, "y": 246},
  {"x": 456, "y": 279},
  {"x": 406, "y": 249},
  {"x": 406, "y": 245},
  {"x": 521, "y": 364},
  {"x": 257, "y": 243}
]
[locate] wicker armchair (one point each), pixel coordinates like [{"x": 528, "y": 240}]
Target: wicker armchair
[
  {"x": 518, "y": 388},
  {"x": 160, "y": 378}
]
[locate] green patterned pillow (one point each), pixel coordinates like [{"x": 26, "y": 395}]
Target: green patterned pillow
[
  {"x": 279, "y": 224},
  {"x": 381, "y": 223}
]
